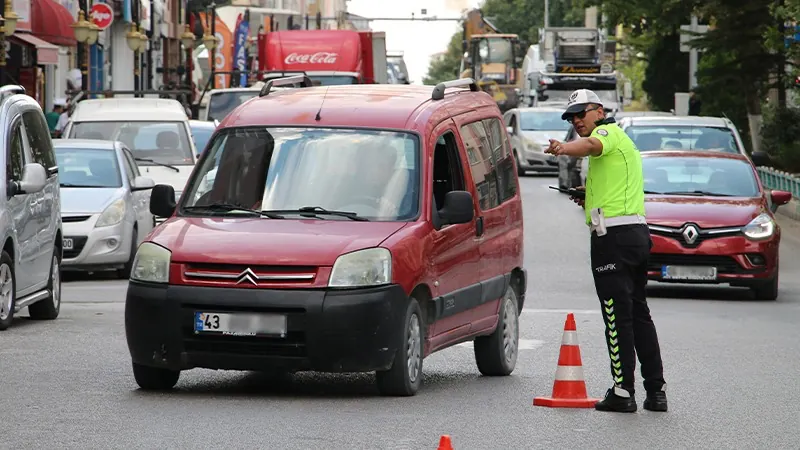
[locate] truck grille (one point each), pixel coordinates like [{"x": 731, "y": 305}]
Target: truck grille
[{"x": 568, "y": 53}]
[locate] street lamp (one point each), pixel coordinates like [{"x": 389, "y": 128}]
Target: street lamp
[
  {"x": 10, "y": 19},
  {"x": 143, "y": 40},
  {"x": 187, "y": 38},
  {"x": 132, "y": 38},
  {"x": 210, "y": 41},
  {"x": 85, "y": 33}
]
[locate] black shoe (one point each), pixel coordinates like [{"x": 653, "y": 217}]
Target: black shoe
[
  {"x": 617, "y": 400},
  {"x": 656, "y": 400}
]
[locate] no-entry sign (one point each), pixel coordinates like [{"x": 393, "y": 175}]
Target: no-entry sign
[{"x": 101, "y": 15}]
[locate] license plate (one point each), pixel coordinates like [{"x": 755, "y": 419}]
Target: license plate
[
  {"x": 693, "y": 273},
  {"x": 68, "y": 244},
  {"x": 240, "y": 324}
]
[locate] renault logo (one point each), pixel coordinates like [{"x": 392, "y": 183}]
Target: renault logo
[
  {"x": 690, "y": 234},
  {"x": 247, "y": 275}
]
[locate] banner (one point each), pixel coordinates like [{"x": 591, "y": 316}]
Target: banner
[
  {"x": 223, "y": 53},
  {"x": 240, "y": 50}
]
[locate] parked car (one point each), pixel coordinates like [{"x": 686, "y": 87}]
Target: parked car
[
  {"x": 530, "y": 130},
  {"x": 105, "y": 205},
  {"x": 711, "y": 220},
  {"x": 305, "y": 252},
  {"x": 156, "y": 131},
  {"x": 30, "y": 223},
  {"x": 201, "y": 133}
]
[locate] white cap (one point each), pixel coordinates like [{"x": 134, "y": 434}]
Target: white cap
[
  {"x": 578, "y": 101},
  {"x": 60, "y": 101}
]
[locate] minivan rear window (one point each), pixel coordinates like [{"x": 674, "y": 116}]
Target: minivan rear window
[
  {"x": 159, "y": 142},
  {"x": 374, "y": 174}
]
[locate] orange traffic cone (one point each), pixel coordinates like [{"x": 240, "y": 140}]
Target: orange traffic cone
[
  {"x": 444, "y": 443},
  {"x": 569, "y": 388}
]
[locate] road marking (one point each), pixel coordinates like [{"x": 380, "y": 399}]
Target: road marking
[
  {"x": 524, "y": 344},
  {"x": 561, "y": 311}
]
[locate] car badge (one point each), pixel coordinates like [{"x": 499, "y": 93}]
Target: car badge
[
  {"x": 690, "y": 234},
  {"x": 247, "y": 275}
]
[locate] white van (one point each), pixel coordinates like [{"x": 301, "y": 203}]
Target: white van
[{"x": 155, "y": 130}]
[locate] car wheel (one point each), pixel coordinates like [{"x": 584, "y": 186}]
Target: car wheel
[
  {"x": 49, "y": 308},
  {"x": 405, "y": 376},
  {"x": 8, "y": 291},
  {"x": 520, "y": 171},
  {"x": 496, "y": 354},
  {"x": 767, "y": 290},
  {"x": 125, "y": 272},
  {"x": 155, "y": 378}
]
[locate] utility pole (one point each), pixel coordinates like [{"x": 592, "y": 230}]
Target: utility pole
[
  {"x": 150, "y": 41},
  {"x": 546, "y": 13},
  {"x": 688, "y": 33}
]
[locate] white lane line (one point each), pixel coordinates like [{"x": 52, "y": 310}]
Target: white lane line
[
  {"x": 524, "y": 344},
  {"x": 560, "y": 311}
]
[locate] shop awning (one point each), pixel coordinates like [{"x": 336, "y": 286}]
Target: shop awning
[
  {"x": 51, "y": 21},
  {"x": 46, "y": 54}
]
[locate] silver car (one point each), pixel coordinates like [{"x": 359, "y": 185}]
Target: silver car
[
  {"x": 530, "y": 130},
  {"x": 30, "y": 225},
  {"x": 105, "y": 205}
]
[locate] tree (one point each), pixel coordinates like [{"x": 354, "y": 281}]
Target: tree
[{"x": 446, "y": 67}]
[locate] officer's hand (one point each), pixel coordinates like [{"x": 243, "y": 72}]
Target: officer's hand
[
  {"x": 554, "y": 148},
  {"x": 577, "y": 200}
]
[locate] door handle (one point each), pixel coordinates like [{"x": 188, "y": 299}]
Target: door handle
[{"x": 479, "y": 227}]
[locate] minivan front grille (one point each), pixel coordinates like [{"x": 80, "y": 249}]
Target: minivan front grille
[{"x": 248, "y": 276}]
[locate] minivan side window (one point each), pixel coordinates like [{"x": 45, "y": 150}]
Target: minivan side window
[
  {"x": 39, "y": 139},
  {"x": 482, "y": 165},
  {"x": 503, "y": 157},
  {"x": 15, "y": 155},
  {"x": 448, "y": 174}
]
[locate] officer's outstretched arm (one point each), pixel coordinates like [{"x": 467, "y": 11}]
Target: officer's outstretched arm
[{"x": 582, "y": 147}]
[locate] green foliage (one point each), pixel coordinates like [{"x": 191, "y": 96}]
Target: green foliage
[
  {"x": 780, "y": 134},
  {"x": 667, "y": 72},
  {"x": 446, "y": 68},
  {"x": 722, "y": 98},
  {"x": 634, "y": 71}
]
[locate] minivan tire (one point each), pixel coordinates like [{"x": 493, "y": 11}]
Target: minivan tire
[
  {"x": 49, "y": 308},
  {"x": 496, "y": 354},
  {"x": 8, "y": 263},
  {"x": 155, "y": 378},
  {"x": 400, "y": 380}
]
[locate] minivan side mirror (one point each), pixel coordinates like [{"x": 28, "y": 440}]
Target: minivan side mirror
[
  {"x": 162, "y": 200},
  {"x": 458, "y": 208},
  {"x": 34, "y": 177},
  {"x": 760, "y": 158},
  {"x": 141, "y": 183},
  {"x": 780, "y": 198}
]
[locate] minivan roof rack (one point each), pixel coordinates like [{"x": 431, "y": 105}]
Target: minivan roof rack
[
  {"x": 11, "y": 89},
  {"x": 302, "y": 80},
  {"x": 438, "y": 91}
]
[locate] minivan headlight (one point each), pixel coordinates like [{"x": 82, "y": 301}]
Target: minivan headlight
[
  {"x": 151, "y": 263},
  {"x": 369, "y": 267},
  {"x": 112, "y": 215},
  {"x": 762, "y": 227}
]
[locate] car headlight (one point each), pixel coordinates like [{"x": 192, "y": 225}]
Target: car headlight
[
  {"x": 532, "y": 146},
  {"x": 112, "y": 215},
  {"x": 369, "y": 267},
  {"x": 762, "y": 227},
  {"x": 151, "y": 263}
]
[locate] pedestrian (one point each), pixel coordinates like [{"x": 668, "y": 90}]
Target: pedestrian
[
  {"x": 695, "y": 103},
  {"x": 62, "y": 120},
  {"x": 620, "y": 247},
  {"x": 53, "y": 116}
]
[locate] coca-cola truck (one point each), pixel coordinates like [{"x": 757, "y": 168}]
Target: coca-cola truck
[{"x": 328, "y": 57}]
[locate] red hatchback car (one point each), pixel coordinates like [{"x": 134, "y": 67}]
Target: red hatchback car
[
  {"x": 336, "y": 229},
  {"x": 711, "y": 221}
]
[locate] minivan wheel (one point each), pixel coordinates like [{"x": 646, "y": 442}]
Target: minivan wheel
[
  {"x": 49, "y": 308},
  {"x": 496, "y": 354},
  {"x": 405, "y": 376},
  {"x": 8, "y": 294},
  {"x": 155, "y": 378}
]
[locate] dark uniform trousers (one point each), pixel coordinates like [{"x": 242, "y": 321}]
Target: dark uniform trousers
[{"x": 619, "y": 265}]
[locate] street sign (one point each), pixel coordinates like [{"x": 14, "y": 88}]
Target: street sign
[{"x": 101, "y": 15}]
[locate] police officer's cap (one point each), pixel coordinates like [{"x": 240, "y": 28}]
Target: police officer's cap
[{"x": 578, "y": 101}]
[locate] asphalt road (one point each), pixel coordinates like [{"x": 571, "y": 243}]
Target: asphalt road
[{"x": 731, "y": 364}]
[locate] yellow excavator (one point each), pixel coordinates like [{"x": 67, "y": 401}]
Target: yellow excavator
[{"x": 492, "y": 59}]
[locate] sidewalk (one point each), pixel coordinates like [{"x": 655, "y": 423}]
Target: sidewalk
[
  {"x": 788, "y": 217},
  {"x": 791, "y": 209}
]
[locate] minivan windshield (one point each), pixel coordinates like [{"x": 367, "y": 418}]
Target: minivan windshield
[
  {"x": 373, "y": 174},
  {"x": 679, "y": 175},
  {"x": 152, "y": 143},
  {"x": 88, "y": 168},
  {"x": 683, "y": 137}
]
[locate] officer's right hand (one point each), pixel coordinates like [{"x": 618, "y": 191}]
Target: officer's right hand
[{"x": 577, "y": 200}]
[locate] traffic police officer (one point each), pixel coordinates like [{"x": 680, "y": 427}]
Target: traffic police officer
[{"x": 620, "y": 247}]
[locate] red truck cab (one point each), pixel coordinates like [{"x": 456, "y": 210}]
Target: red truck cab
[{"x": 337, "y": 229}]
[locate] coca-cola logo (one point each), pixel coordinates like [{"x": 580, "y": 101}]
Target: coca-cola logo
[
  {"x": 101, "y": 15},
  {"x": 315, "y": 58}
]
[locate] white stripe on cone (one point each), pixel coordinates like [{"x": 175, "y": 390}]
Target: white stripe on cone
[
  {"x": 569, "y": 373},
  {"x": 569, "y": 338}
]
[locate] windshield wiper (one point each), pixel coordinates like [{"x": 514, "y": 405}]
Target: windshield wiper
[
  {"x": 315, "y": 211},
  {"x": 224, "y": 207},
  {"x": 697, "y": 192},
  {"x": 158, "y": 163}
]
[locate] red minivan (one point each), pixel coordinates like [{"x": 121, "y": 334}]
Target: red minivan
[{"x": 336, "y": 229}]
